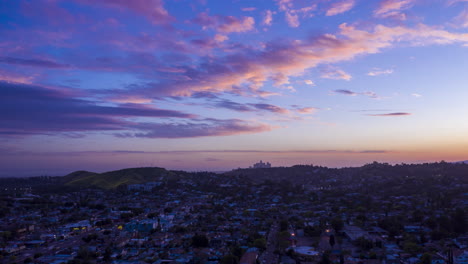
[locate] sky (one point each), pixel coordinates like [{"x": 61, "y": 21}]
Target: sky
[{"x": 222, "y": 84}]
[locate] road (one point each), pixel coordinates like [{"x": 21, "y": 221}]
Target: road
[
  {"x": 269, "y": 256},
  {"x": 54, "y": 246}
]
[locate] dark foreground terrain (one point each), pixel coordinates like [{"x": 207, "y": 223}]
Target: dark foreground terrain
[{"x": 377, "y": 213}]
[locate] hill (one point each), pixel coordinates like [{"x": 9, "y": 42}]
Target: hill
[
  {"x": 114, "y": 179},
  {"x": 382, "y": 173}
]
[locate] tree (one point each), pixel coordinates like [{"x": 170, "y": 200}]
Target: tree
[
  {"x": 332, "y": 240},
  {"x": 411, "y": 247},
  {"x": 426, "y": 258},
  {"x": 237, "y": 251},
  {"x": 283, "y": 225},
  {"x": 364, "y": 243},
  {"x": 337, "y": 224},
  {"x": 260, "y": 243},
  {"x": 107, "y": 254},
  {"x": 229, "y": 259},
  {"x": 199, "y": 241},
  {"x": 325, "y": 259},
  {"x": 459, "y": 221}
]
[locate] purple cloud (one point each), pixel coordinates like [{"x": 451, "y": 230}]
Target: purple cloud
[
  {"x": 204, "y": 128},
  {"x": 250, "y": 107},
  {"x": 345, "y": 92},
  {"x": 29, "y": 109},
  {"x": 392, "y": 114},
  {"x": 225, "y": 24},
  {"x": 33, "y": 62},
  {"x": 352, "y": 93},
  {"x": 153, "y": 10},
  {"x": 233, "y": 106},
  {"x": 244, "y": 151},
  {"x": 270, "y": 108}
]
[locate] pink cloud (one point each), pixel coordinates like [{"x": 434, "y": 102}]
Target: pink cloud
[
  {"x": 340, "y": 7},
  {"x": 248, "y": 70},
  {"x": 452, "y": 2},
  {"x": 335, "y": 74},
  {"x": 13, "y": 77},
  {"x": 292, "y": 14},
  {"x": 462, "y": 19},
  {"x": 248, "y": 9},
  {"x": 392, "y": 8},
  {"x": 280, "y": 79},
  {"x": 285, "y": 5},
  {"x": 220, "y": 38},
  {"x": 233, "y": 24},
  {"x": 244, "y": 70},
  {"x": 292, "y": 19},
  {"x": 225, "y": 24},
  {"x": 268, "y": 18},
  {"x": 307, "y": 110}
]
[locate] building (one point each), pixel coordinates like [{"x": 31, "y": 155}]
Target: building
[
  {"x": 146, "y": 225},
  {"x": 261, "y": 165},
  {"x": 307, "y": 254},
  {"x": 144, "y": 187}
]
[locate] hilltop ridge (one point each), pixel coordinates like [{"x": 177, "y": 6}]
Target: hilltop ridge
[
  {"x": 298, "y": 174},
  {"x": 114, "y": 179}
]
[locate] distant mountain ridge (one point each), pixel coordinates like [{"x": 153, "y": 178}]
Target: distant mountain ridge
[
  {"x": 298, "y": 174},
  {"x": 114, "y": 179},
  {"x": 461, "y": 162}
]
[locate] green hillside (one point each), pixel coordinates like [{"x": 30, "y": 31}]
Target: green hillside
[{"x": 113, "y": 179}]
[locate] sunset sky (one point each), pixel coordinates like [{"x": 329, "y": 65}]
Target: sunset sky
[{"x": 221, "y": 84}]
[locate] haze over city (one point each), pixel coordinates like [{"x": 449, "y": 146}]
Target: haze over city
[{"x": 216, "y": 85}]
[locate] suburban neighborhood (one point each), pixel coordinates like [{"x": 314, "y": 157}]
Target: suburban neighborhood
[{"x": 378, "y": 213}]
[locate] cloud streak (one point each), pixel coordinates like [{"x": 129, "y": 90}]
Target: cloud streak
[
  {"x": 391, "y": 114},
  {"x": 246, "y": 71},
  {"x": 153, "y": 10},
  {"x": 335, "y": 74},
  {"x": 225, "y": 24},
  {"x": 31, "y": 109},
  {"x": 205, "y": 128},
  {"x": 307, "y": 110},
  {"x": 352, "y": 93},
  {"x": 33, "y": 62},
  {"x": 377, "y": 72},
  {"x": 202, "y": 151},
  {"x": 346, "y": 92},
  {"x": 340, "y": 7},
  {"x": 393, "y": 8}
]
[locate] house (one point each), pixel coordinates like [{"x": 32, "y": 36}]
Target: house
[
  {"x": 141, "y": 225},
  {"x": 460, "y": 257},
  {"x": 437, "y": 260},
  {"x": 249, "y": 257}
]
